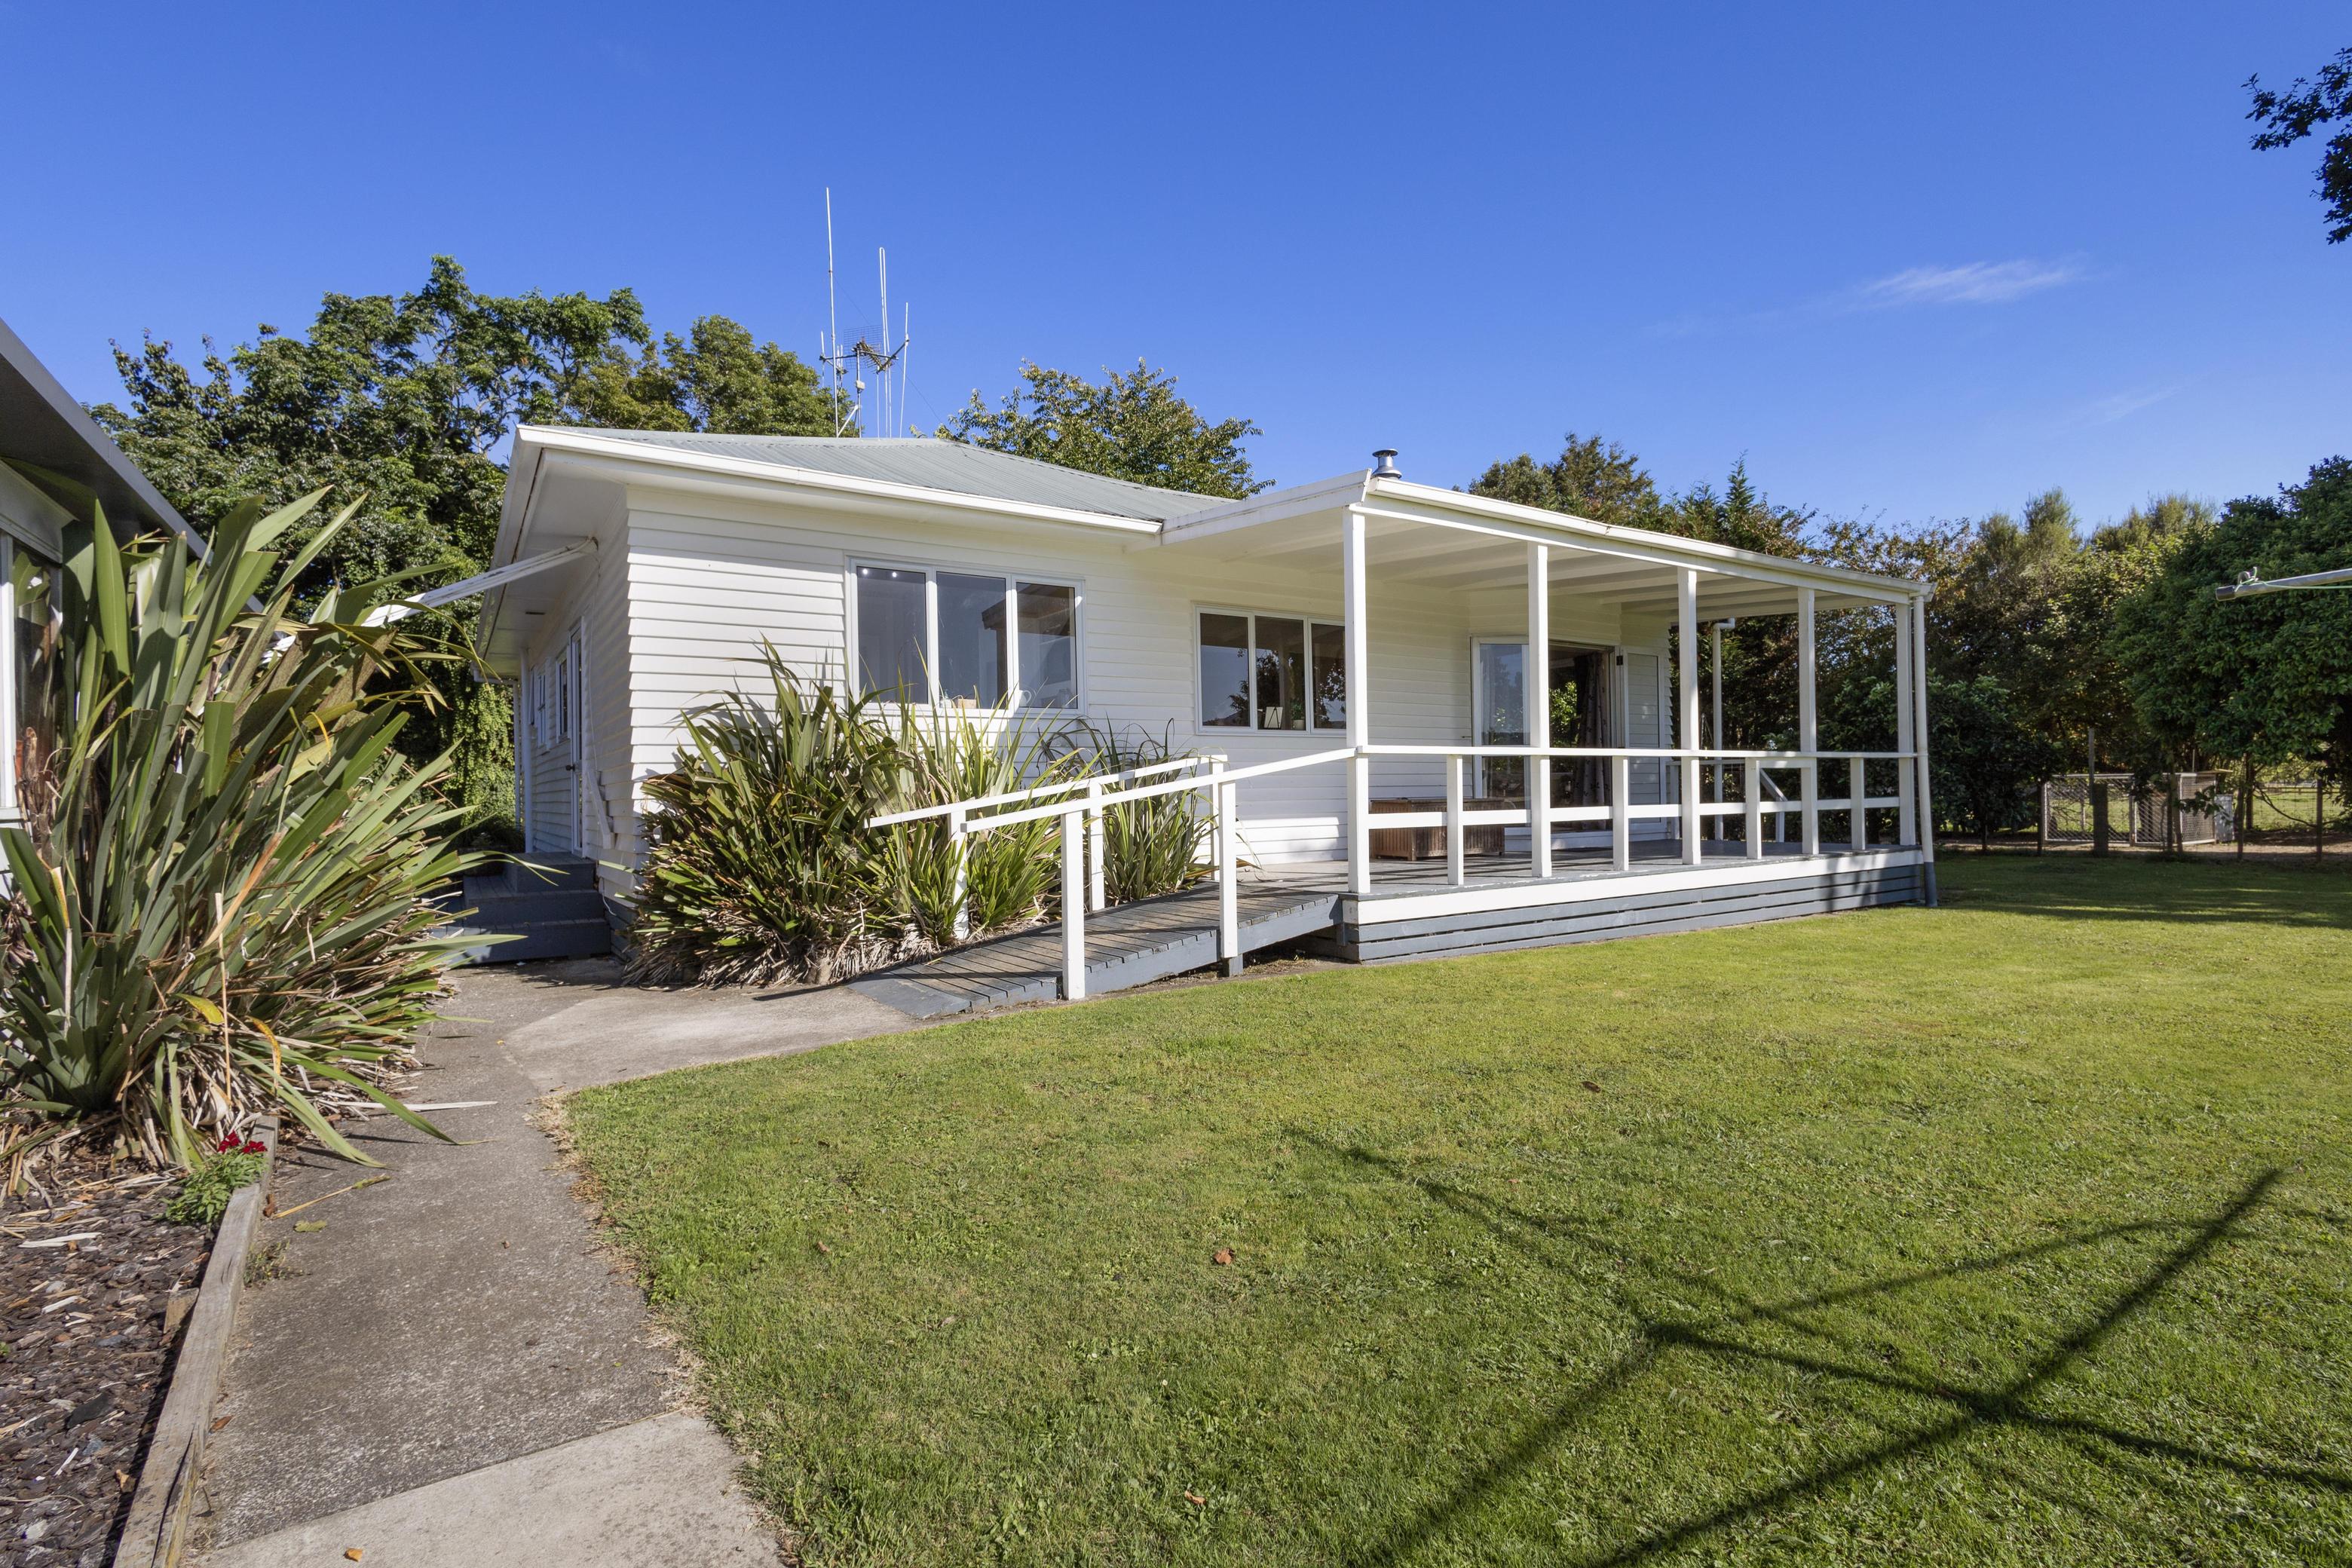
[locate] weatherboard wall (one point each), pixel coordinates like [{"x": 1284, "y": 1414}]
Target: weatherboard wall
[{"x": 711, "y": 578}]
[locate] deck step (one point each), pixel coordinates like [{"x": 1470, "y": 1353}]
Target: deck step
[
  {"x": 549, "y": 906},
  {"x": 1127, "y": 945}
]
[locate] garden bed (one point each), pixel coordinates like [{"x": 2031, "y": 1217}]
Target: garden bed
[{"x": 92, "y": 1323}]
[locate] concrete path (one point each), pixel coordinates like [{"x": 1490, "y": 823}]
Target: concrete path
[{"x": 450, "y": 1363}]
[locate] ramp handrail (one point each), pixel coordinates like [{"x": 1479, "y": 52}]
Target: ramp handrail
[{"x": 1083, "y": 802}]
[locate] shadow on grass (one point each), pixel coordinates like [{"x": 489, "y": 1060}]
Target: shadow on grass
[
  {"x": 1959, "y": 1412},
  {"x": 2178, "y": 890}
]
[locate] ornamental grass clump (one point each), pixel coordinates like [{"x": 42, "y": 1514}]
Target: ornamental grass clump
[
  {"x": 760, "y": 866},
  {"x": 220, "y": 900}
]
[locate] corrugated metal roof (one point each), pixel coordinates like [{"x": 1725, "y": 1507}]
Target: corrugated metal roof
[{"x": 940, "y": 465}]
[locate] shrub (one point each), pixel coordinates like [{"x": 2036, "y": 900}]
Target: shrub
[
  {"x": 760, "y": 866},
  {"x": 203, "y": 1198},
  {"x": 220, "y": 901},
  {"x": 1154, "y": 846}
]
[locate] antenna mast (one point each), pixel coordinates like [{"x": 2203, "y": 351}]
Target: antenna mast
[
  {"x": 832, "y": 353},
  {"x": 846, "y": 362}
]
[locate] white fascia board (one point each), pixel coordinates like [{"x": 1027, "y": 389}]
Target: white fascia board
[
  {"x": 588, "y": 443},
  {"x": 1512, "y": 520},
  {"x": 1297, "y": 502}
]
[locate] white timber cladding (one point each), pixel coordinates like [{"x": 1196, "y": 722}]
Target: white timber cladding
[
  {"x": 710, "y": 579},
  {"x": 590, "y": 812}
]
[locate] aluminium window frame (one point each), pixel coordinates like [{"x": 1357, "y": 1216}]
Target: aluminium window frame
[
  {"x": 853, "y": 674},
  {"x": 1308, "y": 619}
]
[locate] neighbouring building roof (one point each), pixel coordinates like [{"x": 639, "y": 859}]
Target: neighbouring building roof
[
  {"x": 939, "y": 465},
  {"x": 47, "y": 436}
]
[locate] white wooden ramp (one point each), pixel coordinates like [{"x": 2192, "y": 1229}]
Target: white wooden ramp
[{"x": 1127, "y": 945}]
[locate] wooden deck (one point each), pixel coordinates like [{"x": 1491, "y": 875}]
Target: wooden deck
[{"x": 1412, "y": 912}]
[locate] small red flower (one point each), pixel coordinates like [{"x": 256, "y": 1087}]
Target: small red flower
[
  {"x": 256, "y": 1146},
  {"x": 225, "y": 1144}
]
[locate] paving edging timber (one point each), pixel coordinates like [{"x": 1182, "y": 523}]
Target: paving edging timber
[{"x": 155, "y": 1533}]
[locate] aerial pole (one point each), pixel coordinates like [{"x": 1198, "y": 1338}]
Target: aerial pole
[
  {"x": 832, "y": 318},
  {"x": 882, "y": 261}
]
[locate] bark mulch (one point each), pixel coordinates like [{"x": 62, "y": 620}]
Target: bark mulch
[{"x": 94, "y": 1287}]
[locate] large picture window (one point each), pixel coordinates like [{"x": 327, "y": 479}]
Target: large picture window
[
  {"x": 1271, "y": 672},
  {"x": 29, "y": 654},
  {"x": 926, "y": 635}
]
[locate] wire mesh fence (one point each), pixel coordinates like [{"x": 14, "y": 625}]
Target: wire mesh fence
[{"x": 2166, "y": 811}]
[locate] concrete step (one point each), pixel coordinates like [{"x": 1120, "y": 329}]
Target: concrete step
[
  {"x": 550, "y": 939},
  {"x": 541, "y": 874},
  {"x": 507, "y": 912}
]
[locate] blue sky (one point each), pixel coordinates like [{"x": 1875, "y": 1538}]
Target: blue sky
[{"x": 1911, "y": 261}]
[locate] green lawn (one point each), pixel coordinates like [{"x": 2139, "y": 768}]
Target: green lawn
[{"x": 2018, "y": 1231}]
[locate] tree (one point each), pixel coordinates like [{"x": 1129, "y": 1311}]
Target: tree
[
  {"x": 2288, "y": 117},
  {"x": 1131, "y": 427},
  {"x": 402, "y": 402},
  {"x": 1983, "y": 757},
  {"x": 718, "y": 380},
  {"x": 1590, "y": 478},
  {"x": 2268, "y": 680}
]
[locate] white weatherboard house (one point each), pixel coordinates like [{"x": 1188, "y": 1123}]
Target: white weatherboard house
[{"x": 1359, "y": 665}]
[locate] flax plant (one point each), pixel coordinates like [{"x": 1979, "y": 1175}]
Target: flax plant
[{"x": 221, "y": 901}]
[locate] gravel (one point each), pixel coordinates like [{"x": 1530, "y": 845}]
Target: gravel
[{"x": 89, "y": 1324}]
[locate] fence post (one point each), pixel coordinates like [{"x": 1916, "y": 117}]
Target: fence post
[
  {"x": 960, "y": 848},
  {"x": 1095, "y": 841},
  {"x": 1229, "y": 886},
  {"x": 1620, "y": 825},
  {"x": 1074, "y": 907},
  {"x": 1753, "y": 781},
  {"x": 2099, "y": 829},
  {"x": 1454, "y": 848},
  {"x": 1858, "y": 833}
]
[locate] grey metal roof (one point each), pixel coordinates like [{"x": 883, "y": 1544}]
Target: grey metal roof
[
  {"x": 63, "y": 450},
  {"x": 940, "y": 465}
]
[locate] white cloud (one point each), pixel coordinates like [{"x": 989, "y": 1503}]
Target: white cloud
[{"x": 1977, "y": 283}]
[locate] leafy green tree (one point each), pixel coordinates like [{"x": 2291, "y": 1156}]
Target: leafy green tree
[
  {"x": 2288, "y": 117},
  {"x": 1984, "y": 758},
  {"x": 1131, "y": 427},
  {"x": 403, "y": 402},
  {"x": 717, "y": 379},
  {"x": 1590, "y": 478},
  {"x": 2268, "y": 678}
]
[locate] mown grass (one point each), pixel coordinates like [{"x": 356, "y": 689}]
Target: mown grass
[{"x": 2018, "y": 1231}]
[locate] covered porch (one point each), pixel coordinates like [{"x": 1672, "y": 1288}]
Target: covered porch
[{"x": 1491, "y": 834}]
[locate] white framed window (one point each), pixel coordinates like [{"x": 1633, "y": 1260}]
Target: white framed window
[
  {"x": 1260, "y": 671},
  {"x": 943, "y": 634}
]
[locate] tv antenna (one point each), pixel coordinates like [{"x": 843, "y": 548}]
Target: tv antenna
[{"x": 888, "y": 362}]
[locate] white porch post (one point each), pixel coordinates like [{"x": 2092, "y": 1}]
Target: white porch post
[
  {"x": 1074, "y": 906},
  {"x": 1454, "y": 848},
  {"x": 1686, "y": 709},
  {"x": 1229, "y": 891},
  {"x": 1358, "y": 681},
  {"x": 1809, "y": 737},
  {"x": 1857, "y": 813},
  {"x": 1620, "y": 825},
  {"x": 1538, "y": 703},
  {"x": 1906, "y": 672},
  {"x": 1752, "y": 787},
  {"x": 1919, "y": 720},
  {"x": 1715, "y": 715}
]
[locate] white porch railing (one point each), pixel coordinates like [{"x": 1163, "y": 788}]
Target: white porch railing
[{"x": 1078, "y": 805}]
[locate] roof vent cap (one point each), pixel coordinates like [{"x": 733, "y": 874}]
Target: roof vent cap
[{"x": 1384, "y": 464}]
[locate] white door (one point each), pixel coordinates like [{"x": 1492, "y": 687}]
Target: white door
[{"x": 568, "y": 727}]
